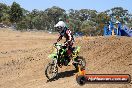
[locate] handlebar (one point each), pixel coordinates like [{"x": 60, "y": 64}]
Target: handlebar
[{"x": 57, "y": 44}]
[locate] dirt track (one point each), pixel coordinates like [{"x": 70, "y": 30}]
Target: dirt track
[{"x": 23, "y": 57}]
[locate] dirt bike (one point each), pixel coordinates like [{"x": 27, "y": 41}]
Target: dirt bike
[{"x": 59, "y": 56}]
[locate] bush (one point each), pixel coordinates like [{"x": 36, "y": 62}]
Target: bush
[{"x": 21, "y": 26}]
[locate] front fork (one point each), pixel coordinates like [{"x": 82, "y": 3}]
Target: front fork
[{"x": 54, "y": 62}]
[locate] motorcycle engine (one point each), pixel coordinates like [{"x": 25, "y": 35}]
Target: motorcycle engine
[{"x": 66, "y": 61}]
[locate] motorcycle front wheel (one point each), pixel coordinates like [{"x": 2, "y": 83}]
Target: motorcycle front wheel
[{"x": 51, "y": 71}]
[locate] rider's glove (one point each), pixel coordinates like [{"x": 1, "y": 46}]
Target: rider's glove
[
  {"x": 55, "y": 43},
  {"x": 65, "y": 43}
]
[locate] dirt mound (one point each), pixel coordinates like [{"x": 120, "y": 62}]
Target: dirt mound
[
  {"x": 108, "y": 54},
  {"x": 23, "y": 58}
]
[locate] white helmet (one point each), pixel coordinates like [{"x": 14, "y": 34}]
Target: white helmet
[{"x": 60, "y": 24}]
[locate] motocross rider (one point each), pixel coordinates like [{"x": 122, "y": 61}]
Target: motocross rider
[{"x": 64, "y": 31}]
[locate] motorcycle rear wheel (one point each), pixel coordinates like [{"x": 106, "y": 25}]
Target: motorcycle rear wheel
[{"x": 81, "y": 62}]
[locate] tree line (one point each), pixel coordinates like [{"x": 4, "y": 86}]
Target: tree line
[{"x": 88, "y": 21}]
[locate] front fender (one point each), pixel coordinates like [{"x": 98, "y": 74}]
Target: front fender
[{"x": 53, "y": 56}]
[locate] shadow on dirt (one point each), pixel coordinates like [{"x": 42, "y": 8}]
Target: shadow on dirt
[{"x": 63, "y": 75}]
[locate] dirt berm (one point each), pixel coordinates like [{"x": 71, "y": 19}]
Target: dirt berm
[{"x": 24, "y": 56}]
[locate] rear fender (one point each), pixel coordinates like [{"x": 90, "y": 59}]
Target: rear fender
[
  {"x": 76, "y": 52},
  {"x": 78, "y": 49}
]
